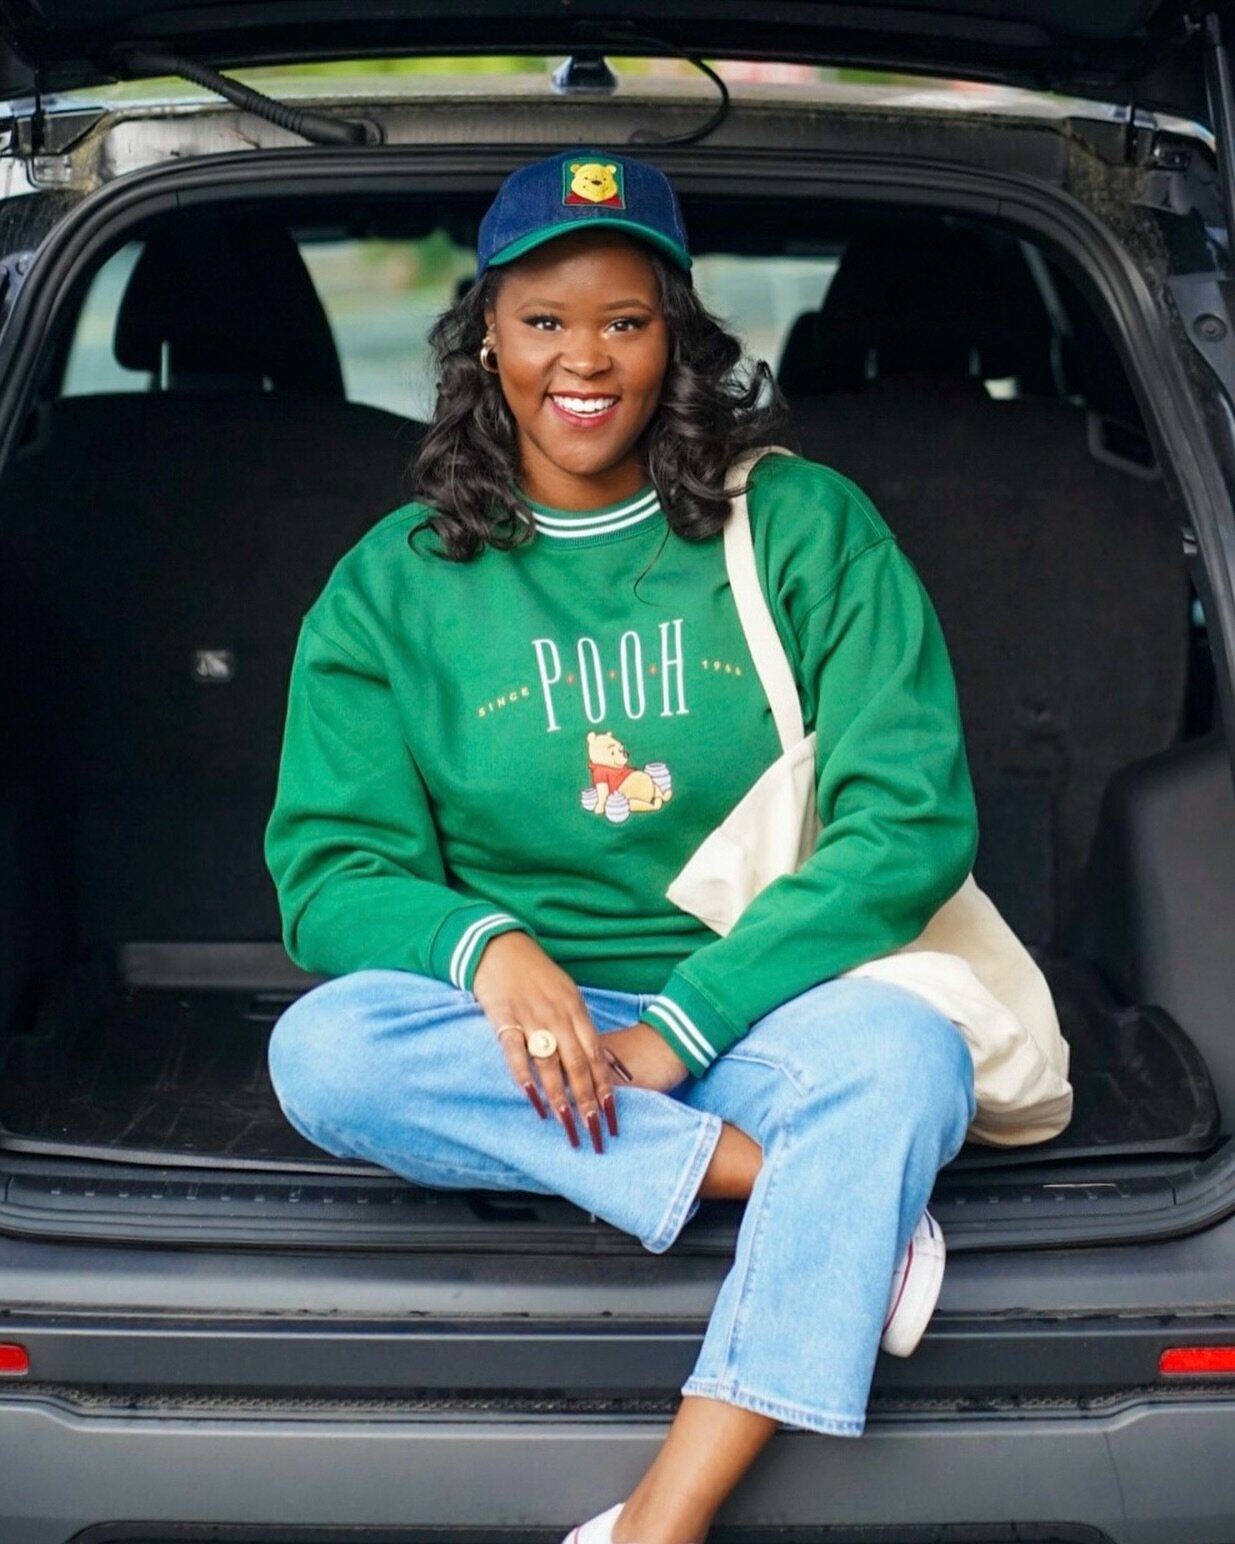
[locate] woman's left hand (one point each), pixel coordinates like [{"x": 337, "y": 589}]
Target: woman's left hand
[{"x": 646, "y": 1056}]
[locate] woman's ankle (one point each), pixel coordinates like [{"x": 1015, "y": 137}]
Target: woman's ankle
[
  {"x": 643, "y": 1524},
  {"x": 736, "y": 1161},
  {"x": 708, "y": 1448}
]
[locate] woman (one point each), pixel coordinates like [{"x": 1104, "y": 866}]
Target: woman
[{"x": 515, "y": 710}]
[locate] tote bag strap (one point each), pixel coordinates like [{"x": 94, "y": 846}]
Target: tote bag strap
[{"x": 771, "y": 665}]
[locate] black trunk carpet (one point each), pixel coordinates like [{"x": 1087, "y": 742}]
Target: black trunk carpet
[{"x": 101, "y": 1068}]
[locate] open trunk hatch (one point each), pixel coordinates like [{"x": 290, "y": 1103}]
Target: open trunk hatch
[{"x": 1145, "y": 51}]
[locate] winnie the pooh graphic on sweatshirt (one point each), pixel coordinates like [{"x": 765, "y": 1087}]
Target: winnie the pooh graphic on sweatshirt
[{"x": 616, "y": 788}]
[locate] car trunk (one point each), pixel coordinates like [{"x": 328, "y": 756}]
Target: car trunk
[{"x": 159, "y": 549}]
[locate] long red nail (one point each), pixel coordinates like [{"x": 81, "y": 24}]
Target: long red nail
[
  {"x": 592, "y": 1121},
  {"x": 568, "y": 1124},
  {"x": 609, "y": 1105},
  {"x": 530, "y": 1090}
]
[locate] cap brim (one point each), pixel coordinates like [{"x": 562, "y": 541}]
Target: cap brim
[{"x": 537, "y": 238}]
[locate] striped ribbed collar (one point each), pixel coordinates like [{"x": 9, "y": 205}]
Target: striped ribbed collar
[{"x": 575, "y": 525}]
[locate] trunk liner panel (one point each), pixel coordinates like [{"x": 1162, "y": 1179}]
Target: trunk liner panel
[{"x": 105, "y": 1068}]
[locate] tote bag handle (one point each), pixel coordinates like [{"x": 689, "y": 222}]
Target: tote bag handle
[{"x": 767, "y": 651}]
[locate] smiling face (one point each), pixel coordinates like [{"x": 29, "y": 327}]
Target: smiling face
[{"x": 582, "y": 348}]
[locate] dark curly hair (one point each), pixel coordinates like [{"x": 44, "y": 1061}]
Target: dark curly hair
[{"x": 713, "y": 406}]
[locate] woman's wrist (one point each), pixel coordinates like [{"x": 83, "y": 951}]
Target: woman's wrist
[
  {"x": 644, "y": 1053},
  {"x": 493, "y": 950},
  {"x": 664, "y": 1052}
]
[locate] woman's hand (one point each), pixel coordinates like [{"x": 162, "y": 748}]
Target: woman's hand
[
  {"x": 517, "y": 983},
  {"x": 646, "y": 1056}
]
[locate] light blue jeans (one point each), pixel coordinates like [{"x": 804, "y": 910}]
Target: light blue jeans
[{"x": 857, "y": 1092}]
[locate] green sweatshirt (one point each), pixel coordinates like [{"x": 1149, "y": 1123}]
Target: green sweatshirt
[{"x": 539, "y": 739}]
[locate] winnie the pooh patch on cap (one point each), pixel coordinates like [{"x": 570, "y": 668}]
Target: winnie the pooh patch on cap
[{"x": 593, "y": 182}]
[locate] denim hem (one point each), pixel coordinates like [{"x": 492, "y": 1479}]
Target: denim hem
[
  {"x": 683, "y": 1197},
  {"x": 825, "y": 1422}
]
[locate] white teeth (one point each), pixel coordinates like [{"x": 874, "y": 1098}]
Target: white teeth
[{"x": 585, "y": 404}]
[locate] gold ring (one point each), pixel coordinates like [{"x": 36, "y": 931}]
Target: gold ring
[
  {"x": 502, "y": 1028},
  {"x": 542, "y": 1043}
]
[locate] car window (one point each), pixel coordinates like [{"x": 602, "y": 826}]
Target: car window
[
  {"x": 91, "y": 366},
  {"x": 760, "y": 298},
  {"x": 382, "y": 296}
]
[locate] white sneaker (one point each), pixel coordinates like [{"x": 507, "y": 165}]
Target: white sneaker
[
  {"x": 915, "y": 1288},
  {"x": 597, "y": 1530}
]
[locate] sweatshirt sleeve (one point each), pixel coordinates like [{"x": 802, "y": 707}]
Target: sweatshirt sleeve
[
  {"x": 351, "y": 843},
  {"x": 894, "y": 798}
]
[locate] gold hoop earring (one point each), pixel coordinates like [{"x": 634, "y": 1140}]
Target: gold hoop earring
[{"x": 488, "y": 357}]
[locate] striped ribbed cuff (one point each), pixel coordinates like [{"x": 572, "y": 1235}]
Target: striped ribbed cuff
[
  {"x": 688, "y": 1022},
  {"x": 461, "y": 937}
]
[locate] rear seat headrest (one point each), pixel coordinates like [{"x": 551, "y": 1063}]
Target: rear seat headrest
[
  {"x": 914, "y": 294},
  {"x": 233, "y": 302}
]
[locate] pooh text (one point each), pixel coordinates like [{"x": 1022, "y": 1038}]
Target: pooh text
[{"x": 642, "y": 679}]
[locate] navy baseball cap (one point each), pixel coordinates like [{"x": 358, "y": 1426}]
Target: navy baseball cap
[{"x": 580, "y": 188}]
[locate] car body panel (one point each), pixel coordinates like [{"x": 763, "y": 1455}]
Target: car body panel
[
  {"x": 1142, "y": 1474},
  {"x": 1078, "y": 1322}
]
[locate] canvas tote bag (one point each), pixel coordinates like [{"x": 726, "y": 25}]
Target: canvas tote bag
[{"x": 967, "y": 962}]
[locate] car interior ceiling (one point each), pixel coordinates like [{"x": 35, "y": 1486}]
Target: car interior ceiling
[{"x": 167, "y": 543}]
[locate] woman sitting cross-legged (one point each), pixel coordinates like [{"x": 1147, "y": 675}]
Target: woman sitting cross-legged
[{"x": 518, "y": 706}]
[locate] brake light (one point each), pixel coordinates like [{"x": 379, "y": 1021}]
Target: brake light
[
  {"x": 13, "y": 1360},
  {"x": 1197, "y": 1359}
]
